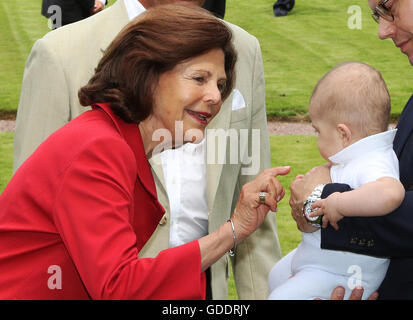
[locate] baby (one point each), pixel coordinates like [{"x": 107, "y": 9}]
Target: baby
[{"x": 349, "y": 110}]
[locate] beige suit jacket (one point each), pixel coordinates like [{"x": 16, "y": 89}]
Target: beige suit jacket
[{"x": 64, "y": 60}]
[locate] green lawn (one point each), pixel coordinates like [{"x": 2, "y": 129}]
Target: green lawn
[
  {"x": 301, "y": 47},
  {"x": 297, "y": 49},
  {"x": 21, "y": 24},
  {"x": 6, "y": 158}
]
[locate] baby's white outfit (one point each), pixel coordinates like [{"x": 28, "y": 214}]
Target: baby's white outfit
[{"x": 309, "y": 272}]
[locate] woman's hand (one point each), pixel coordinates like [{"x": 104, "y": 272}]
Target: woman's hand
[
  {"x": 250, "y": 212},
  {"x": 301, "y": 188}
]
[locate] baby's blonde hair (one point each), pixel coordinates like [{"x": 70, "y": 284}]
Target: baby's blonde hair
[{"x": 355, "y": 94}]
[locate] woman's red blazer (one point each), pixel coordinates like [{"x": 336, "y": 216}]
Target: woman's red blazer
[{"x": 76, "y": 213}]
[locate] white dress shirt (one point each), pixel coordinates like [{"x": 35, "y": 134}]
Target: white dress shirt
[
  {"x": 185, "y": 178},
  {"x": 134, "y": 8},
  {"x": 366, "y": 160}
]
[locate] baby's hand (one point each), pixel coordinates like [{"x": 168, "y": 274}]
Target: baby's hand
[{"x": 330, "y": 209}]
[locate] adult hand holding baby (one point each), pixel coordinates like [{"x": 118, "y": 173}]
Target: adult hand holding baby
[{"x": 356, "y": 294}]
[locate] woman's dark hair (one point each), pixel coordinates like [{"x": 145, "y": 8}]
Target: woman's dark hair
[{"x": 150, "y": 45}]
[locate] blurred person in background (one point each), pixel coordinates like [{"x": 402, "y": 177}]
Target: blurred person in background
[
  {"x": 217, "y": 7},
  {"x": 63, "y": 12},
  {"x": 282, "y": 7}
]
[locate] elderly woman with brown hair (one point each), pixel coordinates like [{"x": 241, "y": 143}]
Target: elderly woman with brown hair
[{"x": 78, "y": 211}]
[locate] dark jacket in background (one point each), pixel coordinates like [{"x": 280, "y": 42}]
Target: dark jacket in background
[
  {"x": 72, "y": 10},
  {"x": 282, "y": 7},
  {"x": 217, "y": 7}
]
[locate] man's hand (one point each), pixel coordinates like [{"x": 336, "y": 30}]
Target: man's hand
[
  {"x": 301, "y": 188},
  {"x": 356, "y": 294},
  {"x": 297, "y": 202},
  {"x": 98, "y": 7}
]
